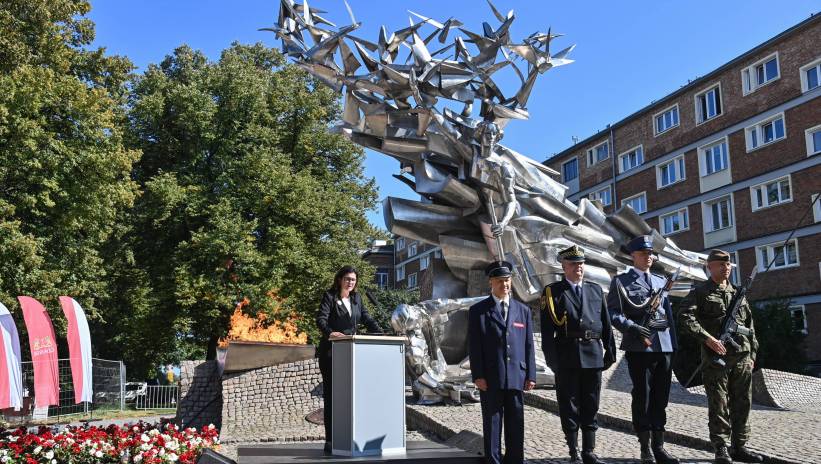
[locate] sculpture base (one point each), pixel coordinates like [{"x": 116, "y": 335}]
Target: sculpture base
[{"x": 417, "y": 452}]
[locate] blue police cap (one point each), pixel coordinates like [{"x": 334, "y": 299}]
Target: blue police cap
[
  {"x": 642, "y": 242},
  {"x": 499, "y": 269}
]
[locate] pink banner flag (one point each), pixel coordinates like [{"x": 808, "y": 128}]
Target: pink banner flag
[
  {"x": 43, "y": 346},
  {"x": 79, "y": 348}
]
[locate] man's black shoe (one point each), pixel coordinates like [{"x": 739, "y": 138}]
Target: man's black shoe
[
  {"x": 742, "y": 454},
  {"x": 722, "y": 456}
]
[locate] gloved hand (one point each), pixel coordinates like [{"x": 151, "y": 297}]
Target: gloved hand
[
  {"x": 639, "y": 331},
  {"x": 609, "y": 359}
]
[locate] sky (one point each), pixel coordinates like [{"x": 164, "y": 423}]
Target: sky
[{"x": 628, "y": 53}]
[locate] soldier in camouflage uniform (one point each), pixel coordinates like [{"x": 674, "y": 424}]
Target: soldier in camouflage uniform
[{"x": 728, "y": 388}]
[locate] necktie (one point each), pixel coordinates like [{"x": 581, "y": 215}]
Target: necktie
[
  {"x": 503, "y": 305},
  {"x": 578, "y": 292},
  {"x": 647, "y": 279}
]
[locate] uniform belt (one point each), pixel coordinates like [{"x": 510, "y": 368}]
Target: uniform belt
[{"x": 583, "y": 334}]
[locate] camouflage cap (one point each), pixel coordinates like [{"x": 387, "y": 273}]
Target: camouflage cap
[
  {"x": 718, "y": 255},
  {"x": 574, "y": 253}
]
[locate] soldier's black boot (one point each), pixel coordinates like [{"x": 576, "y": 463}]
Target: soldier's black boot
[
  {"x": 588, "y": 446},
  {"x": 661, "y": 454},
  {"x": 722, "y": 456},
  {"x": 573, "y": 446},
  {"x": 646, "y": 452},
  {"x": 740, "y": 453}
]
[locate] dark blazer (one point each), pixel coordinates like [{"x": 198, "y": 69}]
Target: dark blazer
[
  {"x": 561, "y": 351},
  {"x": 501, "y": 353},
  {"x": 332, "y": 316},
  {"x": 623, "y": 315}
]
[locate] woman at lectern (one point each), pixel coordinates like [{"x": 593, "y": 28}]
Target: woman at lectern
[{"x": 339, "y": 314}]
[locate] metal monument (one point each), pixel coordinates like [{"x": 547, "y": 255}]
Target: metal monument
[{"x": 427, "y": 95}]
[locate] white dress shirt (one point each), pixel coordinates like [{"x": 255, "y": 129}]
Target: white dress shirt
[{"x": 498, "y": 302}]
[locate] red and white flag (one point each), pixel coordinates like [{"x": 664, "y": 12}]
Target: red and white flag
[
  {"x": 11, "y": 375},
  {"x": 79, "y": 349},
  {"x": 43, "y": 346}
]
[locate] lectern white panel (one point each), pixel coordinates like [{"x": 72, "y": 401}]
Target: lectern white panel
[{"x": 368, "y": 395}]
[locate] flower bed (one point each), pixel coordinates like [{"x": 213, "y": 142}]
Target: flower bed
[{"x": 139, "y": 443}]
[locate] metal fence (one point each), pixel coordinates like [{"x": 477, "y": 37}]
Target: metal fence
[
  {"x": 108, "y": 381},
  {"x": 159, "y": 397}
]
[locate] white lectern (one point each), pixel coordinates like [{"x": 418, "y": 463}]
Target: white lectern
[{"x": 368, "y": 415}]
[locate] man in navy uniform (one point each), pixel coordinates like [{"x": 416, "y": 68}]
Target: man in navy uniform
[
  {"x": 649, "y": 342},
  {"x": 578, "y": 344},
  {"x": 502, "y": 364}
]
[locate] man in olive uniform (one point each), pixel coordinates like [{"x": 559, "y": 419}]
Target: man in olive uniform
[
  {"x": 728, "y": 387},
  {"x": 578, "y": 344},
  {"x": 649, "y": 342}
]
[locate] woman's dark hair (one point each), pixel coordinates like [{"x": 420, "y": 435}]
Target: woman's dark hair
[{"x": 340, "y": 274}]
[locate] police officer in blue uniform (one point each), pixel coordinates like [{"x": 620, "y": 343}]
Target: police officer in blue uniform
[
  {"x": 502, "y": 364},
  {"x": 649, "y": 342},
  {"x": 578, "y": 343}
]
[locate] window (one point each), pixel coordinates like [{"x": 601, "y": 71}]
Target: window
[
  {"x": 734, "y": 269},
  {"x": 767, "y": 131},
  {"x": 603, "y": 196},
  {"x": 799, "y": 318},
  {"x": 715, "y": 157},
  {"x": 631, "y": 159},
  {"x": 400, "y": 272},
  {"x": 665, "y": 120},
  {"x": 759, "y": 74},
  {"x": 671, "y": 172},
  {"x": 424, "y": 262},
  {"x": 771, "y": 193},
  {"x": 570, "y": 170},
  {"x": 719, "y": 214},
  {"x": 780, "y": 255},
  {"x": 708, "y": 104},
  {"x": 674, "y": 222},
  {"x": 637, "y": 202},
  {"x": 816, "y": 207},
  {"x": 811, "y": 75},
  {"x": 813, "y": 136},
  {"x": 412, "y": 249},
  {"x": 412, "y": 280},
  {"x": 437, "y": 254},
  {"x": 598, "y": 153},
  {"x": 400, "y": 243},
  {"x": 382, "y": 278}
]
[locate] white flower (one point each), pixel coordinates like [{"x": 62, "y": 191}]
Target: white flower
[
  {"x": 98, "y": 454},
  {"x": 145, "y": 447},
  {"x": 211, "y": 427},
  {"x": 172, "y": 457},
  {"x": 49, "y": 454},
  {"x": 38, "y": 449},
  {"x": 144, "y": 438},
  {"x": 138, "y": 458}
]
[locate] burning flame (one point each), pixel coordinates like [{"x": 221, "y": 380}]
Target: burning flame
[{"x": 247, "y": 328}]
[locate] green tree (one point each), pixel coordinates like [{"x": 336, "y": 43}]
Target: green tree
[
  {"x": 382, "y": 302},
  {"x": 64, "y": 165},
  {"x": 780, "y": 345},
  {"x": 246, "y": 195}
]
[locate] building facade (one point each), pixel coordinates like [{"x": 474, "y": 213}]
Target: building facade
[
  {"x": 731, "y": 160},
  {"x": 415, "y": 265},
  {"x": 380, "y": 256}
]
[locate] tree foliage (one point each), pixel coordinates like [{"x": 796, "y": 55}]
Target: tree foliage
[
  {"x": 780, "y": 345},
  {"x": 64, "y": 163},
  {"x": 161, "y": 200},
  {"x": 245, "y": 193}
]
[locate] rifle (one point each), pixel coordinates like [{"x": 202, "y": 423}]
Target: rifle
[
  {"x": 729, "y": 327},
  {"x": 649, "y": 320}
]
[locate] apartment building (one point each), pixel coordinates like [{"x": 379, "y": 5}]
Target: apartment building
[
  {"x": 731, "y": 160},
  {"x": 415, "y": 265},
  {"x": 380, "y": 256}
]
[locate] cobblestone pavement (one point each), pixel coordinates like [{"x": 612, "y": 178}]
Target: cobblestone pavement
[
  {"x": 785, "y": 436},
  {"x": 544, "y": 441}
]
